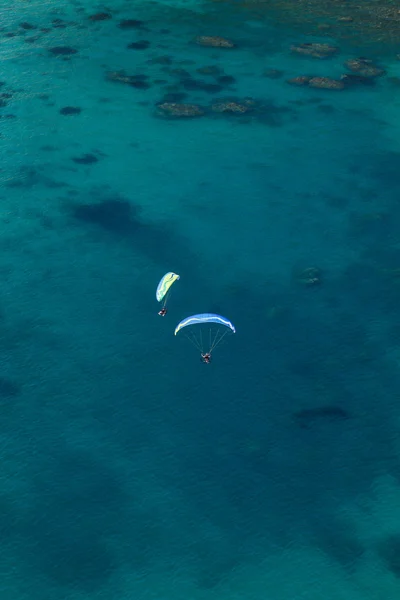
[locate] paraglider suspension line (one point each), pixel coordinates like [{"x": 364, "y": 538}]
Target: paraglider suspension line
[
  {"x": 217, "y": 339},
  {"x": 164, "y": 304},
  {"x": 213, "y": 340},
  {"x": 192, "y": 338}
]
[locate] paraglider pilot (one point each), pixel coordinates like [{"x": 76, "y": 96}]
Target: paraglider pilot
[{"x": 206, "y": 358}]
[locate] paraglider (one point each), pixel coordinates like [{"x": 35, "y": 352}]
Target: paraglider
[
  {"x": 206, "y": 331},
  {"x": 163, "y": 290}
]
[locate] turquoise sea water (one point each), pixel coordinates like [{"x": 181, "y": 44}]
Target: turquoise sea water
[{"x": 130, "y": 470}]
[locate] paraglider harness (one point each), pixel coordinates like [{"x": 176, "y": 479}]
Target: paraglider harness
[{"x": 206, "y": 358}]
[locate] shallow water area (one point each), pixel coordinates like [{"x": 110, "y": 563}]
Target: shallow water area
[{"x": 130, "y": 469}]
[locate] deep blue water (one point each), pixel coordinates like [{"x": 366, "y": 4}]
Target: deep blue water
[{"x": 130, "y": 470}]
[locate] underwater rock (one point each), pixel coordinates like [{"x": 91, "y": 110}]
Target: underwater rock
[
  {"x": 100, "y": 16},
  {"x": 62, "y": 51},
  {"x": 130, "y": 24},
  {"x": 249, "y": 110},
  {"x": 326, "y": 83},
  {"x": 177, "y": 110},
  {"x": 235, "y": 108},
  {"x": 214, "y": 41},
  {"x": 85, "y": 159},
  {"x": 315, "y": 50},
  {"x": 140, "y": 45},
  {"x": 309, "y": 276},
  {"x": 119, "y": 76},
  {"x": 136, "y": 81},
  {"x": 364, "y": 67},
  {"x": 70, "y": 110},
  {"x": 301, "y": 80}
]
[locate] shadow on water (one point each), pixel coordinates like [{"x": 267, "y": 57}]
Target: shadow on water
[
  {"x": 121, "y": 218},
  {"x": 79, "y": 506}
]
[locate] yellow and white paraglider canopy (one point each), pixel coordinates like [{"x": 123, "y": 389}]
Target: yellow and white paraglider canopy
[{"x": 165, "y": 285}]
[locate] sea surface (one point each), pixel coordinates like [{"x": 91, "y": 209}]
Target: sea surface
[{"x": 129, "y": 469}]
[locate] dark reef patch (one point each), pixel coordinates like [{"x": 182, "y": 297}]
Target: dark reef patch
[
  {"x": 136, "y": 81},
  {"x": 85, "y": 159},
  {"x": 70, "y": 110},
  {"x": 140, "y": 84},
  {"x": 199, "y": 85},
  {"x": 160, "y": 60},
  {"x": 8, "y": 388},
  {"x": 62, "y": 51},
  {"x": 389, "y": 552},
  {"x": 130, "y": 24},
  {"x": 211, "y": 70},
  {"x": 175, "y": 97},
  {"x": 70, "y": 522},
  {"x": 307, "y": 417},
  {"x": 226, "y": 80},
  {"x": 27, "y": 26},
  {"x": 352, "y": 79},
  {"x": 114, "y": 215},
  {"x": 140, "y": 45},
  {"x": 339, "y": 541},
  {"x": 4, "y": 97},
  {"x": 100, "y": 16}
]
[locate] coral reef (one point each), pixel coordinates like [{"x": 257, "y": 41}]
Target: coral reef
[
  {"x": 176, "y": 110},
  {"x": 315, "y": 50},
  {"x": 214, "y": 41},
  {"x": 364, "y": 67},
  {"x": 326, "y": 83},
  {"x": 233, "y": 107}
]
